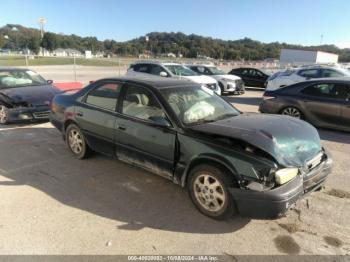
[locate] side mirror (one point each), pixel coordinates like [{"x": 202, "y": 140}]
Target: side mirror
[
  {"x": 50, "y": 82},
  {"x": 162, "y": 121},
  {"x": 163, "y": 74}
]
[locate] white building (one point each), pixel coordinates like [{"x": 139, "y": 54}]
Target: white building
[
  {"x": 303, "y": 57},
  {"x": 66, "y": 52}
]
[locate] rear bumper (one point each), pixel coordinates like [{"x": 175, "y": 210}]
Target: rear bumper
[
  {"x": 275, "y": 202},
  {"x": 270, "y": 106},
  {"x": 28, "y": 114}
]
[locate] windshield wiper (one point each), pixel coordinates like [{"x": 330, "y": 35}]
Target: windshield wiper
[
  {"x": 202, "y": 121},
  {"x": 226, "y": 116}
]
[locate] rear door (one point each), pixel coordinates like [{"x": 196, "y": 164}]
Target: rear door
[
  {"x": 345, "y": 112},
  {"x": 144, "y": 135},
  {"x": 96, "y": 115},
  {"x": 323, "y": 103}
]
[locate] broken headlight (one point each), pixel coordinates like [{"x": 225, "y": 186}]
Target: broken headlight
[{"x": 284, "y": 175}]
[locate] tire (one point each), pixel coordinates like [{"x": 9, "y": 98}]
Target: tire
[
  {"x": 76, "y": 142},
  {"x": 213, "y": 201},
  {"x": 292, "y": 111},
  {"x": 3, "y": 115},
  {"x": 221, "y": 85}
]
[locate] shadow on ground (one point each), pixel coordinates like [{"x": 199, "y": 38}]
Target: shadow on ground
[
  {"x": 100, "y": 185},
  {"x": 334, "y": 136}
]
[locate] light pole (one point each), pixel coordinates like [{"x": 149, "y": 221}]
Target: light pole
[{"x": 42, "y": 21}]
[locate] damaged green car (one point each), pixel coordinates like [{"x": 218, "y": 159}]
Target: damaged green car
[{"x": 252, "y": 164}]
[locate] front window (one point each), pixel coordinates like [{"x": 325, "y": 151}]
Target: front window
[
  {"x": 215, "y": 71},
  {"x": 20, "y": 78},
  {"x": 180, "y": 70},
  {"x": 141, "y": 103},
  {"x": 195, "y": 105}
]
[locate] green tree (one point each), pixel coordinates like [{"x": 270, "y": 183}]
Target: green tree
[
  {"x": 49, "y": 41},
  {"x": 34, "y": 44}
]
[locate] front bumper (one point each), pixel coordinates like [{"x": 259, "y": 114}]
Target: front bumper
[
  {"x": 235, "y": 86},
  {"x": 275, "y": 202},
  {"x": 28, "y": 114}
]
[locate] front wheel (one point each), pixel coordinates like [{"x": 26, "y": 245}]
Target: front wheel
[
  {"x": 208, "y": 188},
  {"x": 292, "y": 111},
  {"x": 76, "y": 142},
  {"x": 3, "y": 115}
]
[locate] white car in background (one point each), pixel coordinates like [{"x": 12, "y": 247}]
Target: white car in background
[
  {"x": 296, "y": 75},
  {"x": 228, "y": 83},
  {"x": 173, "y": 70}
]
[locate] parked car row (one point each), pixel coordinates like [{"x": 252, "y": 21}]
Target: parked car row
[{"x": 206, "y": 75}]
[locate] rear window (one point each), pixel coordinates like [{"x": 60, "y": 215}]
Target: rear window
[{"x": 309, "y": 73}]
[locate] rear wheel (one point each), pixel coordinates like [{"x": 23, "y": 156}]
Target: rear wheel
[
  {"x": 76, "y": 142},
  {"x": 3, "y": 115},
  {"x": 208, "y": 188},
  {"x": 292, "y": 111}
]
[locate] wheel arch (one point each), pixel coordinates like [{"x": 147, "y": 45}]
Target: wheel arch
[
  {"x": 67, "y": 123},
  {"x": 295, "y": 106},
  {"x": 209, "y": 159}
]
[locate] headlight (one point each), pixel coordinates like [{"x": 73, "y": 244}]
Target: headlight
[
  {"x": 227, "y": 80},
  {"x": 284, "y": 175}
]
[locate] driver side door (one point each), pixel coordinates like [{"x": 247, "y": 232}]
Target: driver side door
[{"x": 144, "y": 136}]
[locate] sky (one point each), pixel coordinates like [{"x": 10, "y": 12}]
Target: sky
[{"x": 291, "y": 21}]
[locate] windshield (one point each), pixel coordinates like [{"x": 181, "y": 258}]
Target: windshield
[
  {"x": 180, "y": 70},
  {"x": 17, "y": 78},
  {"x": 216, "y": 71},
  {"x": 196, "y": 105}
]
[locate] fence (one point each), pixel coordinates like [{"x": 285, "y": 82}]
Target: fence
[{"x": 71, "y": 69}]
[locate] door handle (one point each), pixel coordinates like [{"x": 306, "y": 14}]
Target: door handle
[
  {"x": 79, "y": 113},
  {"x": 123, "y": 128}
]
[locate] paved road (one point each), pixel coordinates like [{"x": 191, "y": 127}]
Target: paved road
[{"x": 52, "y": 203}]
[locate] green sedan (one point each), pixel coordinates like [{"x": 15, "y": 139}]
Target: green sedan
[{"x": 230, "y": 162}]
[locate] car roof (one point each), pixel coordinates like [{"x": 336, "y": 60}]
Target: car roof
[
  {"x": 154, "y": 62},
  {"x": 204, "y": 65},
  {"x": 13, "y": 69},
  {"x": 330, "y": 79},
  {"x": 155, "y": 81}
]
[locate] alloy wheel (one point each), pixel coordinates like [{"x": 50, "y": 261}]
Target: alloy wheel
[
  {"x": 3, "y": 114},
  {"x": 209, "y": 192},
  {"x": 75, "y": 141},
  {"x": 291, "y": 111}
]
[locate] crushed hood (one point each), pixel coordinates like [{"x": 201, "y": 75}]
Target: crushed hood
[
  {"x": 292, "y": 142},
  {"x": 34, "y": 95}
]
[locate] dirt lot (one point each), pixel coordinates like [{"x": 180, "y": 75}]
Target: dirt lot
[{"x": 52, "y": 203}]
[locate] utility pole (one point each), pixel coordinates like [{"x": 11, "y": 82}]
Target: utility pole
[
  {"x": 321, "y": 41},
  {"x": 42, "y": 21}
]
